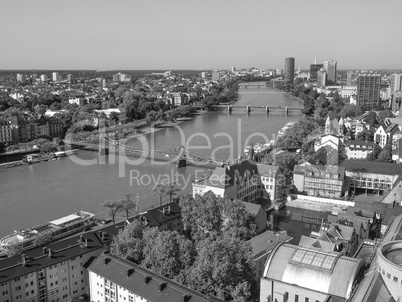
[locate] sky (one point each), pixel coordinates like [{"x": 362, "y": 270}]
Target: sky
[{"x": 201, "y": 35}]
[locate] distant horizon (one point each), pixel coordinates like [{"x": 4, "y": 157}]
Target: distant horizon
[{"x": 203, "y": 35}]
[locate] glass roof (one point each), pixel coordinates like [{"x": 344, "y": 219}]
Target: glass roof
[{"x": 314, "y": 258}]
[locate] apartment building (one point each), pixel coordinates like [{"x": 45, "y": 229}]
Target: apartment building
[
  {"x": 358, "y": 149},
  {"x": 6, "y": 131},
  {"x": 245, "y": 180},
  {"x": 320, "y": 181},
  {"x": 55, "y": 272},
  {"x": 112, "y": 279}
]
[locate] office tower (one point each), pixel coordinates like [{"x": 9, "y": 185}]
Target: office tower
[
  {"x": 216, "y": 75},
  {"x": 289, "y": 70},
  {"x": 314, "y": 68},
  {"x": 322, "y": 77},
  {"x": 19, "y": 77},
  {"x": 330, "y": 67},
  {"x": 396, "y": 82},
  {"x": 69, "y": 78},
  {"x": 43, "y": 78},
  {"x": 103, "y": 83},
  {"x": 368, "y": 90}
]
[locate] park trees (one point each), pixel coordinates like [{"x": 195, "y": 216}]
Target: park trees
[
  {"x": 129, "y": 243},
  {"x": 113, "y": 207},
  {"x": 128, "y": 205}
]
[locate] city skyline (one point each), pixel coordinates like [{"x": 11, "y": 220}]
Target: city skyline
[{"x": 157, "y": 35}]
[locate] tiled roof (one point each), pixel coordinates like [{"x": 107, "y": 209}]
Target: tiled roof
[
  {"x": 157, "y": 216},
  {"x": 144, "y": 282},
  {"x": 267, "y": 241},
  {"x": 371, "y": 167}
]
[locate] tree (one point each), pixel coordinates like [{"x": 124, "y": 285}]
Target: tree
[
  {"x": 113, "y": 207},
  {"x": 308, "y": 106},
  {"x": 13, "y": 249},
  {"x": 128, "y": 205},
  {"x": 372, "y": 156},
  {"x": 223, "y": 268},
  {"x": 129, "y": 242},
  {"x": 171, "y": 189},
  {"x": 382, "y": 115},
  {"x": 161, "y": 190},
  {"x": 386, "y": 154},
  {"x": 286, "y": 161},
  {"x": 43, "y": 238},
  {"x": 167, "y": 253}
]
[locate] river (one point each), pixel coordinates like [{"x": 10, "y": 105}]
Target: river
[{"x": 33, "y": 194}]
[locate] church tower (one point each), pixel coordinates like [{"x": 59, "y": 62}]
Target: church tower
[{"x": 328, "y": 126}]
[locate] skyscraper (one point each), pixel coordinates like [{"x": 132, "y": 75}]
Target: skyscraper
[
  {"x": 330, "y": 67},
  {"x": 69, "y": 78},
  {"x": 314, "y": 68},
  {"x": 56, "y": 76},
  {"x": 43, "y": 77},
  {"x": 289, "y": 70},
  {"x": 368, "y": 90},
  {"x": 19, "y": 77}
]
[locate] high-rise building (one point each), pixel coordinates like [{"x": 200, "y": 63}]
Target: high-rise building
[
  {"x": 368, "y": 90},
  {"x": 43, "y": 78},
  {"x": 203, "y": 74},
  {"x": 330, "y": 67},
  {"x": 216, "y": 76},
  {"x": 56, "y": 76},
  {"x": 69, "y": 78},
  {"x": 104, "y": 83},
  {"x": 322, "y": 77},
  {"x": 20, "y": 77},
  {"x": 396, "y": 82},
  {"x": 314, "y": 68},
  {"x": 289, "y": 70},
  {"x": 351, "y": 78}
]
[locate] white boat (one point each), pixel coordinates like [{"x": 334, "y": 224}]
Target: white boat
[{"x": 285, "y": 128}]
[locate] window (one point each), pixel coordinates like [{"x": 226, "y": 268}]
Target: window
[
  {"x": 5, "y": 293},
  {"x": 296, "y": 298},
  {"x": 388, "y": 275},
  {"x": 306, "y": 300},
  {"x": 395, "y": 279}
]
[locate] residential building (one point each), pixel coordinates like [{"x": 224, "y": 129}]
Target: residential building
[
  {"x": 396, "y": 83},
  {"x": 179, "y": 99},
  {"x": 371, "y": 175},
  {"x": 355, "y": 126},
  {"x": 289, "y": 70},
  {"x": 43, "y": 78},
  {"x": 321, "y": 181},
  {"x": 294, "y": 273},
  {"x": 384, "y": 133},
  {"x": 116, "y": 279},
  {"x": 331, "y": 68},
  {"x": 245, "y": 180},
  {"x": 216, "y": 76},
  {"x": 55, "y": 272},
  {"x": 56, "y": 77},
  {"x": 347, "y": 91},
  {"x": 80, "y": 101},
  {"x": 6, "y": 131},
  {"x": 358, "y": 149},
  {"x": 258, "y": 214},
  {"x": 166, "y": 218},
  {"x": 314, "y": 68},
  {"x": 368, "y": 90},
  {"x": 263, "y": 245},
  {"x": 69, "y": 78},
  {"x": 396, "y": 101},
  {"x": 333, "y": 237},
  {"x": 48, "y": 126},
  {"x": 20, "y": 77}
]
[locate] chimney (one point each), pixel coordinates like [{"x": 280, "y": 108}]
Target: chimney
[
  {"x": 45, "y": 251},
  {"x": 147, "y": 279},
  {"x": 129, "y": 272},
  {"x": 50, "y": 253},
  {"x": 186, "y": 298},
  {"x": 162, "y": 286},
  {"x": 23, "y": 259},
  {"x": 106, "y": 260},
  {"x": 81, "y": 238}
]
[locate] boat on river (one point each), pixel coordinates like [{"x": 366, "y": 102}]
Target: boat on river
[
  {"x": 36, "y": 158},
  {"x": 286, "y": 128}
]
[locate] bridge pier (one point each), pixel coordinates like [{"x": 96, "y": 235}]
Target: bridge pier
[
  {"x": 267, "y": 109},
  {"x": 248, "y": 109},
  {"x": 286, "y": 110}
]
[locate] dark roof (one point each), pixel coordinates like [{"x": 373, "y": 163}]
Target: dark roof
[
  {"x": 157, "y": 216},
  {"x": 134, "y": 278},
  {"x": 371, "y": 167},
  {"x": 36, "y": 259}
]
